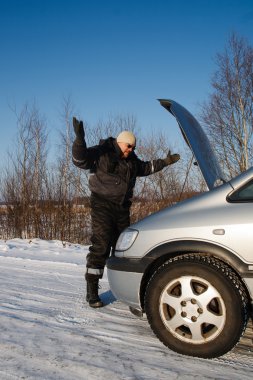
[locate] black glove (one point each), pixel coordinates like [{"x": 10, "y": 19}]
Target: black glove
[
  {"x": 79, "y": 131},
  {"x": 171, "y": 158}
]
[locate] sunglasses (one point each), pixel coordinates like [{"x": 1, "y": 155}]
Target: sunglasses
[{"x": 131, "y": 146}]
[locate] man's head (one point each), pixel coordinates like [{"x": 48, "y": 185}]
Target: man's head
[{"x": 126, "y": 141}]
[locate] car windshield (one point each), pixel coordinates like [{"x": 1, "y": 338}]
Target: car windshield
[{"x": 244, "y": 194}]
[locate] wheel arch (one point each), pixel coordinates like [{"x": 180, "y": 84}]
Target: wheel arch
[{"x": 160, "y": 254}]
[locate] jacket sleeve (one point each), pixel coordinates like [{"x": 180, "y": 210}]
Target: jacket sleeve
[
  {"x": 84, "y": 157},
  {"x": 145, "y": 168}
]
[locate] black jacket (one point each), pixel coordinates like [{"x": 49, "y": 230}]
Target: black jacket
[{"x": 112, "y": 177}]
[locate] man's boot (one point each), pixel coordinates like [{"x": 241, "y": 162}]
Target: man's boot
[{"x": 92, "y": 294}]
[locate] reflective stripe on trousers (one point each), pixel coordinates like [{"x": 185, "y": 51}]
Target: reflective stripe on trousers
[{"x": 97, "y": 272}]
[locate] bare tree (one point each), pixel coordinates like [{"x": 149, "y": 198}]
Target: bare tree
[
  {"x": 23, "y": 184},
  {"x": 228, "y": 114}
]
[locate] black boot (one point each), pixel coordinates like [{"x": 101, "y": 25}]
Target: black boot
[{"x": 92, "y": 294}]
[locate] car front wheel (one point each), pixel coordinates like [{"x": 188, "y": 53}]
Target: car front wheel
[{"x": 196, "y": 305}]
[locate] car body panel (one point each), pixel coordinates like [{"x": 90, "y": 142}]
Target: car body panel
[
  {"x": 177, "y": 223},
  {"x": 126, "y": 286}
]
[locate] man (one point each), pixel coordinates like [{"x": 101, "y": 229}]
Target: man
[{"x": 113, "y": 167}]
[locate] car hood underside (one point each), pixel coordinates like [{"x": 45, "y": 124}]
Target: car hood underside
[{"x": 198, "y": 142}]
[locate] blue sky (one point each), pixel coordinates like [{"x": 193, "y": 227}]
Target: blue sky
[{"x": 111, "y": 57}]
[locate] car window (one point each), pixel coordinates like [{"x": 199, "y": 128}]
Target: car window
[{"x": 244, "y": 194}]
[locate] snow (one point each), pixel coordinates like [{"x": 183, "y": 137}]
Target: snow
[{"x": 49, "y": 332}]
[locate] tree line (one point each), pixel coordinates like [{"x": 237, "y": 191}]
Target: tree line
[{"x": 51, "y": 201}]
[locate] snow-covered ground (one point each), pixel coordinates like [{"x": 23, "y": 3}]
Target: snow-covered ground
[{"x": 49, "y": 332}]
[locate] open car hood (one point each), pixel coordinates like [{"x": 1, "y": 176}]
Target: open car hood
[{"x": 198, "y": 142}]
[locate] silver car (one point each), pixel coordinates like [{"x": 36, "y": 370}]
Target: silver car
[{"x": 189, "y": 267}]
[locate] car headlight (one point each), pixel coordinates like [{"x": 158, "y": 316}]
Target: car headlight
[{"x": 126, "y": 239}]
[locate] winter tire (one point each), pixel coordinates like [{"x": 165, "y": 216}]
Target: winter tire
[{"x": 197, "y": 306}]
